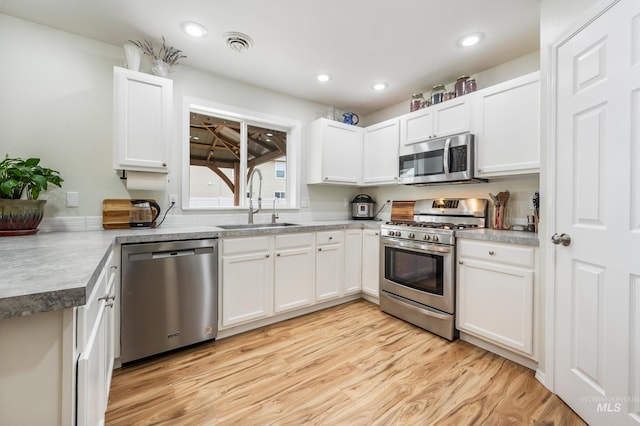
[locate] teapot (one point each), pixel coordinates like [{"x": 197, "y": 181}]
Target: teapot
[
  {"x": 140, "y": 214},
  {"x": 350, "y": 118}
]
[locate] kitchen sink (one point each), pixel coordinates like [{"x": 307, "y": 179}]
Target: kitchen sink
[{"x": 257, "y": 225}]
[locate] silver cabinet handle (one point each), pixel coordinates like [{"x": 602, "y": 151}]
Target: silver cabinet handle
[
  {"x": 460, "y": 262},
  {"x": 564, "y": 239},
  {"x": 108, "y": 305},
  {"x": 491, "y": 252}
]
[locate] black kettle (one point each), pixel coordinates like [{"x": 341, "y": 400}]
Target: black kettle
[{"x": 141, "y": 214}]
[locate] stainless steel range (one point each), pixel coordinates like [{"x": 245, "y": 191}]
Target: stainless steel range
[{"x": 417, "y": 267}]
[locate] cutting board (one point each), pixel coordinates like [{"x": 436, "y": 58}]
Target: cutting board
[
  {"x": 115, "y": 212},
  {"x": 402, "y": 211}
]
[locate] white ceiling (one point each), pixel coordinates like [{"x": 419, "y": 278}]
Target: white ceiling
[{"x": 409, "y": 44}]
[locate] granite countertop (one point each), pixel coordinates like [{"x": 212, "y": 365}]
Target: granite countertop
[
  {"x": 511, "y": 237},
  {"x": 58, "y": 270}
]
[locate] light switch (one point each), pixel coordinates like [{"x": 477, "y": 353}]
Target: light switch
[{"x": 73, "y": 199}]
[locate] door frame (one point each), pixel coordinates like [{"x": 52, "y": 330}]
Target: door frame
[{"x": 548, "y": 174}]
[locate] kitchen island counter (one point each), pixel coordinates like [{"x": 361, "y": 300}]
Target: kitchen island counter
[{"x": 57, "y": 270}]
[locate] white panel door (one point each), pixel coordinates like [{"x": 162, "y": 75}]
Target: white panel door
[{"x": 597, "y": 202}]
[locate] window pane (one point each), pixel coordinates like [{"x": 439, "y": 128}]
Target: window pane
[
  {"x": 214, "y": 152},
  {"x": 267, "y": 151}
]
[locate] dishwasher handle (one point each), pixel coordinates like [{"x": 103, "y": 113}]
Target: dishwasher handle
[
  {"x": 167, "y": 254},
  {"x": 172, "y": 253}
]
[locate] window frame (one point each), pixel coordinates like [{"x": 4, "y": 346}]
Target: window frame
[{"x": 245, "y": 117}]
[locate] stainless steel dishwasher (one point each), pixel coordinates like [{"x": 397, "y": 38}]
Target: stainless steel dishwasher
[{"x": 169, "y": 296}]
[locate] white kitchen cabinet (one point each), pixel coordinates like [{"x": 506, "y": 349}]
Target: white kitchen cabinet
[
  {"x": 334, "y": 152},
  {"x": 96, "y": 349},
  {"x": 496, "y": 293},
  {"x": 294, "y": 271},
  {"x": 352, "y": 261},
  {"x": 142, "y": 121},
  {"x": 371, "y": 262},
  {"x": 329, "y": 264},
  {"x": 380, "y": 153},
  {"x": 247, "y": 279},
  {"x": 507, "y": 127},
  {"x": 444, "y": 119}
]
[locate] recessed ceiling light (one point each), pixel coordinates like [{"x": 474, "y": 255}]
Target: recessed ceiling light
[
  {"x": 194, "y": 29},
  {"x": 470, "y": 40},
  {"x": 323, "y": 77},
  {"x": 379, "y": 86}
]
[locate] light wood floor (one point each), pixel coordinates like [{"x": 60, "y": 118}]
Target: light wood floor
[{"x": 347, "y": 365}]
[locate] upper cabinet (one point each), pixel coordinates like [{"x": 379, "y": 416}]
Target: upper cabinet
[
  {"x": 507, "y": 127},
  {"x": 381, "y": 153},
  {"x": 334, "y": 152},
  {"x": 142, "y": 121},
  {"x": 443, "y": 119}
]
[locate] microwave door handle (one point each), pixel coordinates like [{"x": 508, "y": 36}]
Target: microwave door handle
[{"x": 445, "y": 157}]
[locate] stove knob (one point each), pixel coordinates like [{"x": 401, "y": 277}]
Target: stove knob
[
  {"x": 427, "y": 237},
  {"x": 434, "y": 238},
  {"x": 412, "y": 235}
]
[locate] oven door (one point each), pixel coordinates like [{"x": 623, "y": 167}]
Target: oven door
[{"x": 421, "y": 272}]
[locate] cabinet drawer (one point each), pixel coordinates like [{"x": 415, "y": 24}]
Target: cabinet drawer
[
  {"x": 497, "y": 252},
  {"x": 293, "y": 241},
  {"x": 232, "y": 246},
  {"x": 88, "y": 313},
  {"x": 329, "y": 237}
]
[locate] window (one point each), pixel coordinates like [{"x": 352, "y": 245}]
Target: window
[
  {"x": 225, "y": 146},
  {"x": 281, "y": 169}
]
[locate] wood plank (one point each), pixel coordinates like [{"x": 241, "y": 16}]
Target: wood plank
[{"x": 348, "y": 365}]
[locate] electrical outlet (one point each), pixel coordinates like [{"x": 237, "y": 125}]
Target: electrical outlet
[
  {"x": 73, "y": 199},
  {"x": 305, "y": 202},
  {"x": 173, "y": 198}
]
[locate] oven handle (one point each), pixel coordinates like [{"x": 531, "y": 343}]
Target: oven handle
[
  {"x": 426, "y": 310},
  {"x": 445, "y": 157},
  {"x": 424, "y": 248}
]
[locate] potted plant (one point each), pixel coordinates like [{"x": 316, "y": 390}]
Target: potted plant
[
  {"x": 21, "y": 178},
  {"x": 162, "y": 59}
]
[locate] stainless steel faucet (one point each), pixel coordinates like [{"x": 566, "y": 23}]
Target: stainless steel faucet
[
  {"x": 274, "y": 215},
  {"x": 251, "y": 211}
]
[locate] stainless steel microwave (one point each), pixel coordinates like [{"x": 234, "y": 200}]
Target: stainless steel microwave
[{"x": 437, "y": 161}]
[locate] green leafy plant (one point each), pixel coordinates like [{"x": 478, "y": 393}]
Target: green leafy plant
[
  {"x": 167, "y": 54},
  {"x": 18, "y": 176}
]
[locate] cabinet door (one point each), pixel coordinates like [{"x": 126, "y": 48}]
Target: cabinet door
[
  {"x": 329, "y": 271},
  {"x": 381, "y": 153},
  {"x": 416, "y": 126},
  {"x": 508, "y": 127},
  {"x": 247, "y": 287},
  {"x": 496, "y": 302},
  {"x": 142, "y": 114},
  {"x": 352, "y": 261},
  {"x": 294, "y": 272},
  {"x": 371, "y": 262},
  {"x": 91, "y": 384},
  {"x": 342, "y": 153},
  {"x": 452, "y": 117}
]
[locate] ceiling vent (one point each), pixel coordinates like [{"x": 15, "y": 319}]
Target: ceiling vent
[{"x": 238, "y": 42}]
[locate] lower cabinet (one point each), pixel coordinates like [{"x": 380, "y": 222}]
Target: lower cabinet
[
  {"x": 352, "y": 261},
  {"x": 329, "y": 264},
  {"x": 294, "y": 271},
  {"x": 247, "y": 279},
  {"x": 496, "y": 293},
  {"x": 96, "y": 340},
  {"x": 371, "y": 262}
]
